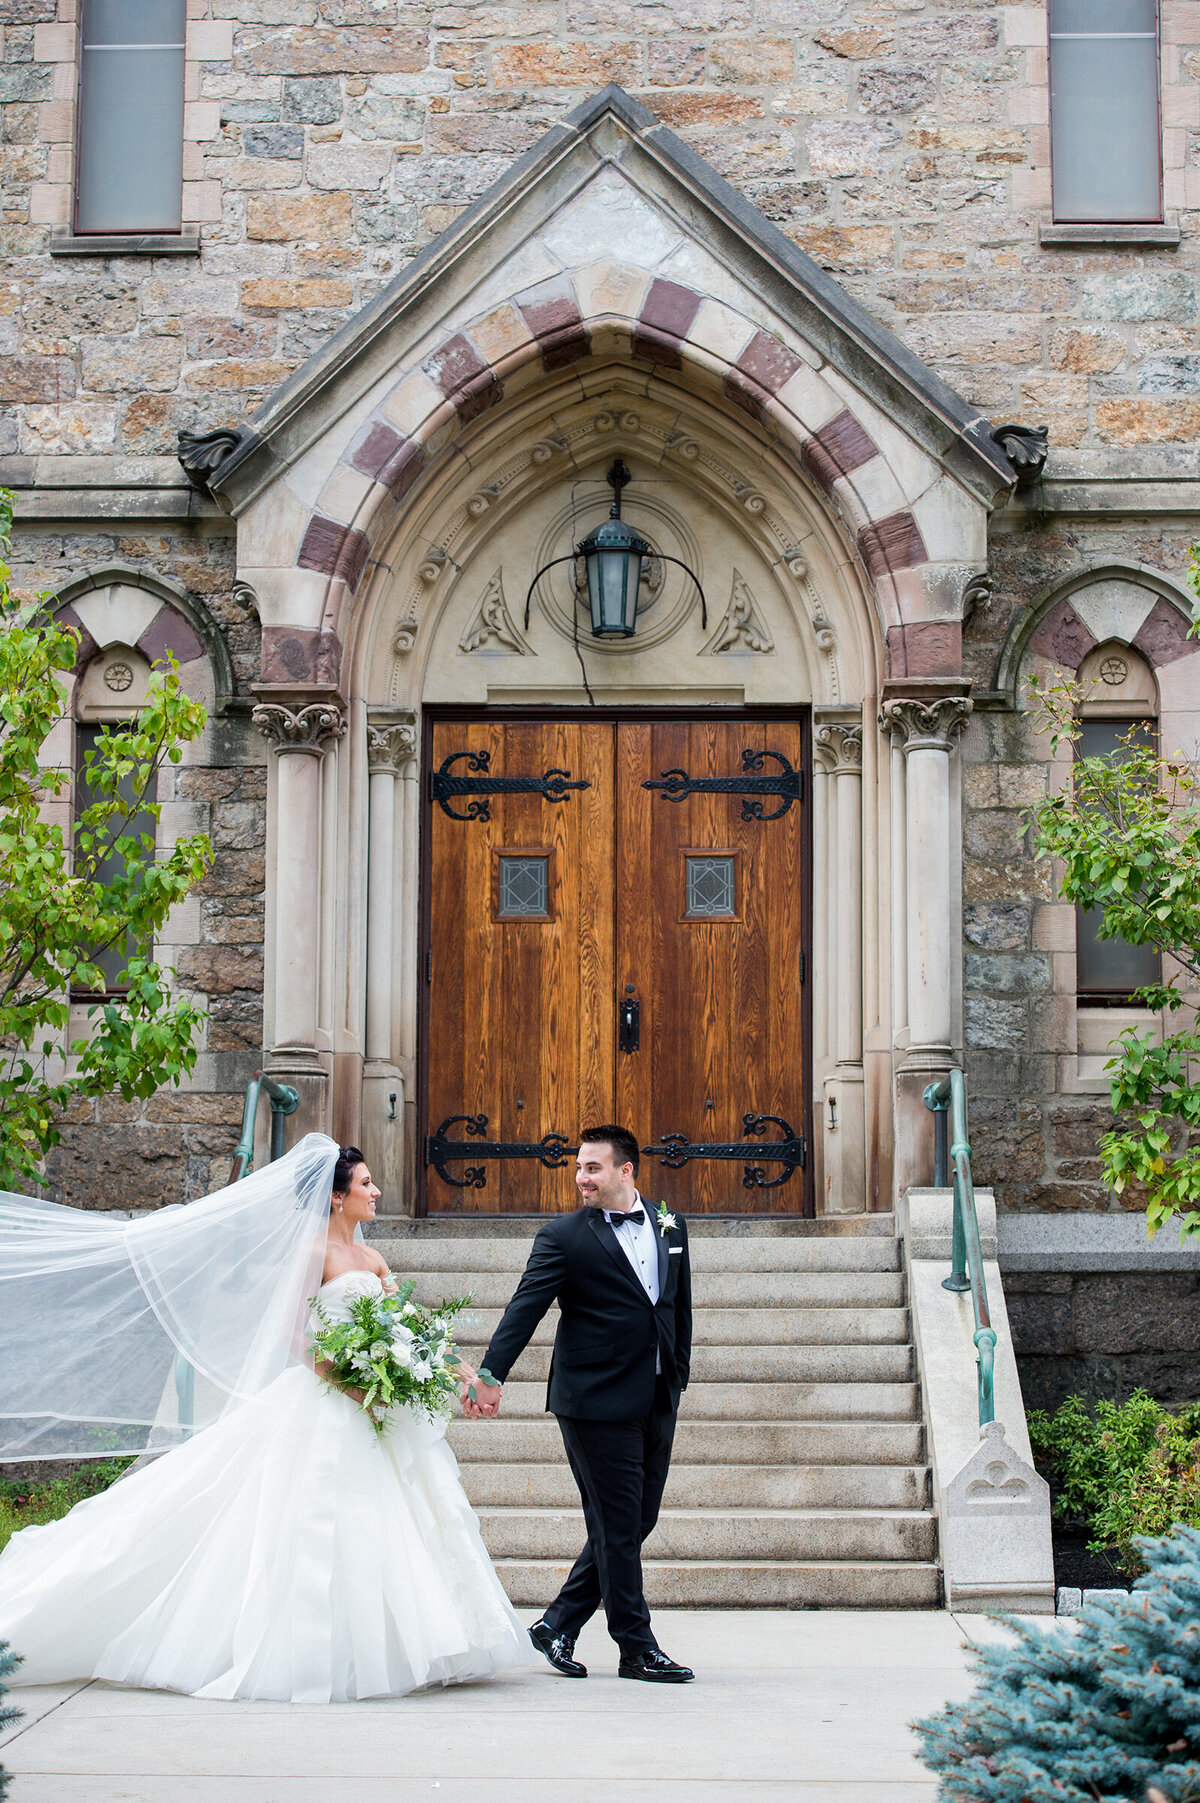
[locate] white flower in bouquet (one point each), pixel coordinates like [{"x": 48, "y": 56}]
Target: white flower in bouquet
[{"x": 383, "y": 1361}]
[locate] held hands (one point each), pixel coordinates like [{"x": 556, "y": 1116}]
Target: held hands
[{"x": 479, "y": 1397}]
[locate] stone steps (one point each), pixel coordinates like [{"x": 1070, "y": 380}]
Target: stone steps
[
  {"x": 714, "y": 1442},
  {"x": 799, "y": 1476},
  {"x": 838, "y": 1363},
  {"x": 531, "y": 1486},
  {"x": 736, "y": 1534},
  {"x": 720, "y": 1290},
  {"x": 765, "y": 1401},
  {"x": 743, "y": 1327},
  {"x": 750, "y": 1583}
]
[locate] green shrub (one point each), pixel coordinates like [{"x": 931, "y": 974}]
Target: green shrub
[
  {"x": 32, "y": 1504},
  {"x": 1124, "y": 1470},
  {"x": 1103, "y": 1712},
  {"x": 8, "y": 1665}
]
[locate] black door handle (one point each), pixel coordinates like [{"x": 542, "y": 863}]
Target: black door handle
[{"x": 629, "y": 1023}]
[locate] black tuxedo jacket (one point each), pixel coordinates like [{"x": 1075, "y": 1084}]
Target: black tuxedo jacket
[{"x": 610, "y": 1334}]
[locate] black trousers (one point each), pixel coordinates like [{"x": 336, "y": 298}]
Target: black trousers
[{"x": 621, "y": 1469}]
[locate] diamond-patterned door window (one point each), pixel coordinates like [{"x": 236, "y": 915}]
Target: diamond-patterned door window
[
  {"x": 524, "y": 888},
  {"x": 710, "y": 888}
]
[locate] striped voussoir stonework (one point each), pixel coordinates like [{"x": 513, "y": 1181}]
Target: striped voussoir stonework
[{"x": 466, "y": 375}]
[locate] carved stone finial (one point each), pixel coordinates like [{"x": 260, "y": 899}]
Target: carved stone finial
[
  {"x": 308, "y": 728},
  {"x": 926, "y": 725},
  {"x": 838, "y": 747},
  {"x": 391, "y": 744},
  {"x": 203, "y": 453},
  {"x": 743, "y": 628},
  {"x": 1027, "y": 448}
]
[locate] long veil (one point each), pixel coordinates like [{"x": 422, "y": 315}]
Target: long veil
[{"x": 119, "y": 1336}]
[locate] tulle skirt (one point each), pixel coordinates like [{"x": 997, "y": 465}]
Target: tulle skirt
[{"x": 284, "y": 1553}]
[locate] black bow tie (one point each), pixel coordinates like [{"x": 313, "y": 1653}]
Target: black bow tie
[{"x": 637, "y": 1215}]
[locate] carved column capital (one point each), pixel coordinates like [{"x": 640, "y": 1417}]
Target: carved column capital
[
  {"x": 391, "y": 742},
  {"x": 931, "y": 725},
  {"x": 838, "y": 747},
  {"x": 307, "y": 727}
]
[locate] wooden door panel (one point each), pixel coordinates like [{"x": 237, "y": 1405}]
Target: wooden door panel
[
  {"x": 722, "y": 1016},
  {"x": 519, "y": 1020}
]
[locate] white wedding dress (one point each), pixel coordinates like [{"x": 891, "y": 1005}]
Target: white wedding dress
[{"x": 286, "y": 1552}]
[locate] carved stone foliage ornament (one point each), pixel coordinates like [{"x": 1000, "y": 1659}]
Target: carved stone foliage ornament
[
  {"x": 491, "y": 626},
  {"x": 391, "y": 744},
  {"x": 1027, "y": 448},
  {"x": 926, "y": 725},
  {"x": 202, "y": 453},
  {"x": 838, "y": 746},
  {"x": 743, "y": 627},
  {"x": 309, "y": 728}
]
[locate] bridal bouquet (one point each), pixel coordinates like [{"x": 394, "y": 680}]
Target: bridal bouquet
[{"x": 396, "y": 1352}]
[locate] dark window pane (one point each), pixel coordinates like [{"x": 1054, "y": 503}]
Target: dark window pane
[
  {"x": 710, "y": 888},
  {"x": 1109, "y": 968},
  {"x": 130, "y": 175},
  {"x": 524, "y": 888},
  {"x": 113, "y": 959}
]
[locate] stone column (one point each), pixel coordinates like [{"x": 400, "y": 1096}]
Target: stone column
[
  {"x": 300, "y": 731},
  {"x": 391, "y": 898},
  {"x": 926, "y": 728},
  {"x": 837, "y": 748}
]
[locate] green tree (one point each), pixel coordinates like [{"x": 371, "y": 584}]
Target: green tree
[
  {"x": 71, "y": 898},
  {"x": 1127, "y": 833}
]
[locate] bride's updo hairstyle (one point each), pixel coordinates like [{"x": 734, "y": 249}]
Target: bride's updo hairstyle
[{"x": 348, "y": 1160}]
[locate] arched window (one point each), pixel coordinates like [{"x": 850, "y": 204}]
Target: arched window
[
  {"x": 1120, "y": 697},
  {"x": 110, "y": 690}
]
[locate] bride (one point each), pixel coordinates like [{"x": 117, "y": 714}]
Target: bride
[{"x": 280, "y": 1548}]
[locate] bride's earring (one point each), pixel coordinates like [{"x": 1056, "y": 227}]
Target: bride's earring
[{"x": 337, "y": 1205}]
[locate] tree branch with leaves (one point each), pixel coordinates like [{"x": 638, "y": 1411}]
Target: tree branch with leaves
[
  {"x": 1126, "y": 832},
  {"x": 68, "y": 897}
]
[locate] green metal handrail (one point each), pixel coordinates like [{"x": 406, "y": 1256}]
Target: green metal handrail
[
  {"x": 948, "y": 1098},
  {"x": 284, "y": 1100}
]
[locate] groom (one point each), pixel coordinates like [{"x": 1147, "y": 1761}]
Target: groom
[{"x": 621, "y": 1277}]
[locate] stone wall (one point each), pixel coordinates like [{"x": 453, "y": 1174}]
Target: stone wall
[
  {"x": 1105, "y": 1334},
  {"x": 904, "y": 148}
]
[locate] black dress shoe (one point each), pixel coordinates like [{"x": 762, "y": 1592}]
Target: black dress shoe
[
  {"x": 653, "y": 1667},
  {"x": 558, "y": 1649}
]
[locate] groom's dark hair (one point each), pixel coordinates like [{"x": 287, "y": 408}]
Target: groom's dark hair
[{"x": 625, "y": 1148}]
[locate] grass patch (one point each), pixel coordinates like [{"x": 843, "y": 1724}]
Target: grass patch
[{"x": 31, "y": 1504}]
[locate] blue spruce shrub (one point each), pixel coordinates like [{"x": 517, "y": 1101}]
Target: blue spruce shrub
[
  {"x": 8, "y": 1665},
  {"x": 1106, "y": 1711}
]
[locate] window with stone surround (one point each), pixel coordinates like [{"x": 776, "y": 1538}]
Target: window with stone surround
[
  {"x": 1119, "y": 700},
  {"x": 1105, "y": 111},
  {"x": 129, "y": 141}
]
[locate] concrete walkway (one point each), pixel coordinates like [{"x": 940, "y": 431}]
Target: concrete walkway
[{"x": 787, "y": 1707}]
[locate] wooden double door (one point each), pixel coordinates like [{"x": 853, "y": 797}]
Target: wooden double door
[{"x": 614, "y": 924}]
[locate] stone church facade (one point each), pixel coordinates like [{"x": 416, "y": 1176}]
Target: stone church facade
[{"x": 437, "y": 266}]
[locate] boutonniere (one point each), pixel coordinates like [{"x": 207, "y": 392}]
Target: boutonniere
[{"x": 666, "y": 1220}]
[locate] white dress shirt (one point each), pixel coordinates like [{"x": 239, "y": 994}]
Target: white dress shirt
[{"x": 639, "y": 1242}]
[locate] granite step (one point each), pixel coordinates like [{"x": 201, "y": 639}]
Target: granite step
[
  {"x": 711, "y": 1442},
  {"x": 710, "y": 1256},
  {"x": 750, "y": 1583},
  {"x": 764, "y": 1401},
  {"x": 530, "y": 1486},
  {"x": 845, "y": 1363},
  {"x": 737, "y": 1534},
  {"x": 710, "y": 1289},
  {"x": 740, "y": 1327}
]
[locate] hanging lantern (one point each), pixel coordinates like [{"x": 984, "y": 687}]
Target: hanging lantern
[{"x": 613, "y": 555}]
